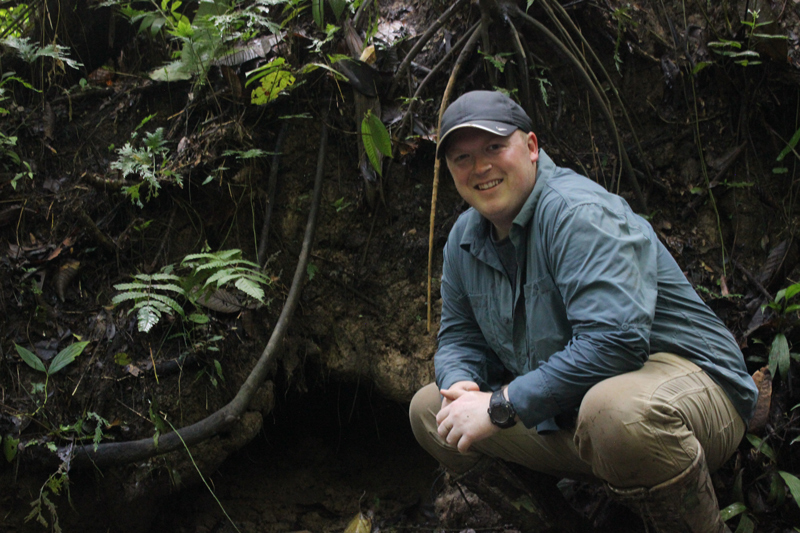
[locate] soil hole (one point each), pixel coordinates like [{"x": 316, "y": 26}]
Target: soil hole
[{"x": 323, "y": 456}]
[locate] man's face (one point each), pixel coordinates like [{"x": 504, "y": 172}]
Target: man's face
[{"x": 494, "y": 174}]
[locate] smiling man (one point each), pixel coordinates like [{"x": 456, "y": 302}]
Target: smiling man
[{"x": 571, "y": 343}]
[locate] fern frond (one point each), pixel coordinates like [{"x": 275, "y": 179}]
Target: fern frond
[{"x": 251, "y": 289}]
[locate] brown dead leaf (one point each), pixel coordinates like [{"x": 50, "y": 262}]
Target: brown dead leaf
[{"x": 763, "y": 380}]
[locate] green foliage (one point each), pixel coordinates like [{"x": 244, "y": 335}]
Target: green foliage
[
  {"x": 789, "y": 148},
  {"x": 274, "y": 78},
  {"x": 57, "y": 483},
  {"x": 61, "y": 360},
  {"x": 499, "y": 60},
  {"x": 318, "y": 10},
  {"x": 30, "y": 52},
  {"x": 13, "y": 18},
  {"x": 147, "y": 163},
  {"x": 153, "y": 295},
  {"x": 159, "y": 294},
  {"x": 743, "y": 55},
  {"x": 376, "y": 139},
  {"x": 623, "y": 20},
  {"x": 9, "y": 159},
  {"x": 10, "y": 448}
]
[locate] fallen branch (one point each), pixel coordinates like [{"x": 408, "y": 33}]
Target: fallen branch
[{"x": 115, "y": 453}]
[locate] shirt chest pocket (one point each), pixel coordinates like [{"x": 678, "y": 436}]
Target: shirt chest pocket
[
  {"x": 493, "y": 325},
  {"x": 548, "y": 328}
]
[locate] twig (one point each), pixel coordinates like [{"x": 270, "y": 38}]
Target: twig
[
  {"x": 437, "y": 164},
  {"x": 421, "y": 44},
  {"x": 126, "y": 452}
]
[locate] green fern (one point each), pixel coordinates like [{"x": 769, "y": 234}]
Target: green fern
[
  {"x": 217, "y": 270},
  {"x": 152, "y": 297},
  {"x": 161, "y": 293}
]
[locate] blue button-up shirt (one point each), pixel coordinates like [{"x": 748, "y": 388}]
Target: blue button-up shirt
[{"x": 596, "y": 293}]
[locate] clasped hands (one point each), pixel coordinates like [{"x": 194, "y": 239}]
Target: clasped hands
[{"x": 464, "y": 416}]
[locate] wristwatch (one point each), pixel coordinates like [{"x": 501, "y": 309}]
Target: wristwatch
[{"x": 501, "y": 412}]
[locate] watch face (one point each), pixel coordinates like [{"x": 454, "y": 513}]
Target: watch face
[{"x": 500, "y": 414}]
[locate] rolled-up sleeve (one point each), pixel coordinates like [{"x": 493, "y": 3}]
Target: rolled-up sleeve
[{"x": 604, "y": 265}]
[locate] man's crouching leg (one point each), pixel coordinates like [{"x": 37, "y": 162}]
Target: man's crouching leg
[
  {"x": 529, "y": 499},
  {"x": 654, "y": 435}
]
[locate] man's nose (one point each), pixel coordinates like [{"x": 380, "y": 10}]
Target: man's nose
[{"x": 482, "y": 165}]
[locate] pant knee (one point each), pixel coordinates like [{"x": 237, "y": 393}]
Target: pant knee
[{"x": 422, "y": 411}]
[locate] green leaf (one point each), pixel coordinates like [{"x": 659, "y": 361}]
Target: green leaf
[
  {"x": 119, "y": 298},
  {"x": 338, "y": 7},
  {"x": 311, "y": 270},
  {"x": 793, "y": 483},
  {"x": 380, "y": 135},
  {"x": 734, "y": 509},
  {"x": 250, "y": 288},
  {"x": 30, "y": 358},
  {"x": 375, "y": 139},
  {"x": 66, "y": 356},
  {"x": 147, "y": 317},
  {"x": 791, "y": 290},
  {"x": 318, "y": 11},
  {"x": 761, "y": 446},
  {"x": 198, "y": 318},
  {"x": 789, "y": 146},
  {"x": 122, "y": 359},
  {"x": 746, "y": 525},
  {"x": 10, "y": 448},
  {"x": 779, "y": 358}
]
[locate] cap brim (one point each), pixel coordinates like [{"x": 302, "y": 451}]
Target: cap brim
[{"x": 498, "y": 128}]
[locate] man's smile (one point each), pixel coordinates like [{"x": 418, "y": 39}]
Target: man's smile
[{"x": 488, "y": 185}]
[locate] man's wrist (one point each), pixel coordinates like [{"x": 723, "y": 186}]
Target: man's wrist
[{"x": 501, "y": 411}]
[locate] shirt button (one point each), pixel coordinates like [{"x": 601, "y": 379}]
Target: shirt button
[{"x": 625, "y": 327}]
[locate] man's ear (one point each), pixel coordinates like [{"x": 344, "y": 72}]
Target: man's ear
[{"x": 533, "y": 146}]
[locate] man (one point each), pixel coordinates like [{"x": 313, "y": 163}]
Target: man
[{"x": 571, "y": 343}]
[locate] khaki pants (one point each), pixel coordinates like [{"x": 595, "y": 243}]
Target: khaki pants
[{"x": 637, "y": 429}]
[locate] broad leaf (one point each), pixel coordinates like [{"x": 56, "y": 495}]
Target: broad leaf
[
  {"x": 734, "y": 509},
  {"x": 31, "y": 359},
  {"x": 338, "y": 7},
  {"x": 66, "y": 356},
  {"x": 762, "y": 447},
  {"x": 318, "y": 10},
  {"x": 793, "y": 483},
  {"x": 779, "y": 357}
]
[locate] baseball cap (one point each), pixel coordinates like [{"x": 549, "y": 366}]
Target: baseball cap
[{"x": 490, "y": 111}]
